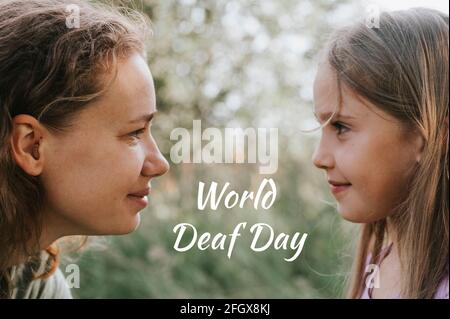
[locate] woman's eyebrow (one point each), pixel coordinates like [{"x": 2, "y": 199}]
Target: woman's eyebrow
[{"x": 143, "y": 118}]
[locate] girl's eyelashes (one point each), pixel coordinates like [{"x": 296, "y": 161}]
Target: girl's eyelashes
[{"x": 340, "y": 127}]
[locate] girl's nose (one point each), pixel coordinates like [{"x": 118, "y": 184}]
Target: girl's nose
[{"x": 322, "y": 158}]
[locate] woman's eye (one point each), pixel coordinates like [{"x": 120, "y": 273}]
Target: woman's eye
[
  {"x": 340, "y": 128},
  {"x": 137, "y": 134}
]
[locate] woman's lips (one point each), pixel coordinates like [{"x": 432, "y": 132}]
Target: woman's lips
[
  {"x": 140, "y": 197},
  {"x": 141, "y": 201}
]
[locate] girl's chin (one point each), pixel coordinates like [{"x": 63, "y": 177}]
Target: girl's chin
[
  {"x": 351, "y": 215},
  {"x": 356, "y": 216}
]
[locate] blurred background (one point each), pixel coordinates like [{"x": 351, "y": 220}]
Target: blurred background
[{"x": 234, "y": 63}]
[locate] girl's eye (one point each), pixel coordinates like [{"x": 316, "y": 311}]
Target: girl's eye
[{"x": 340, "y": 128}]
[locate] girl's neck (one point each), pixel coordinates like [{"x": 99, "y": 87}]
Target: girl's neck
[{"x": 392, "y": 236}]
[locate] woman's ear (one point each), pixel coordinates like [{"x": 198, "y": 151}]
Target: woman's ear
[{"x": 26, "y": 144}]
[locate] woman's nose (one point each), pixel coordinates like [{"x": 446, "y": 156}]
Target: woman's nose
[
  {"x": 155, "y": 163},
  {"x": 322, "y": 157}
]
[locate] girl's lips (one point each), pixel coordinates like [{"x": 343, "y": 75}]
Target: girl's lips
[
  {"x": 337, "y": 187},
  {"x": 340, "y": 188},
  {"x": 140, "y": 200}
]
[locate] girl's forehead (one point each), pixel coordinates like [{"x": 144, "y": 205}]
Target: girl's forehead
[
  {"x": 326, "y": 91},
  {"x": 325, "y": 78},
  {"x": 331, "y": 97}
]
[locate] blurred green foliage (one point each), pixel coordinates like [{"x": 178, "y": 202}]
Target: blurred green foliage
[{"x": 232, "y": 64}]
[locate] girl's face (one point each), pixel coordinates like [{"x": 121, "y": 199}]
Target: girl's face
[
  {"x": 109, "y": 154},
  {"x": 366, "y": 153}
]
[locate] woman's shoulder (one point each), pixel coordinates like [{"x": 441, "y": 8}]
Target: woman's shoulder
[{"x": 29, "y": 285}]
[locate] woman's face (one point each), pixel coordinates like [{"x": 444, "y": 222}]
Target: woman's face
[
  {"x": 109, "y": 154},
  {"x": 366, "y": 153}
]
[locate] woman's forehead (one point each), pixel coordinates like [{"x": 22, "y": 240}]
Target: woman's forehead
[
  {"x": 133, "y": 84},
  {"x": 130, "y": 95}
]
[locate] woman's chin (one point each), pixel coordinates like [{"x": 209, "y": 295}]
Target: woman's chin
[
  {"x": 122, "y": 227},
  {"x": 131, "y": 226}
]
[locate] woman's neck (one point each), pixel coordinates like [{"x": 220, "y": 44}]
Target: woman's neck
[{"x": 47, "y": 237}]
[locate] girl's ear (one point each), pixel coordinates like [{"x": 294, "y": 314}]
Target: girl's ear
[{"x": 26, "y": 144}]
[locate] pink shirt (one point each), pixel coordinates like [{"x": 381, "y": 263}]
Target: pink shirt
[{"x": 441, "y": 293}]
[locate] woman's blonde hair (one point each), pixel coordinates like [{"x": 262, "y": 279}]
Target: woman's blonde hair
[
  {"x": 50, "y": 68},
  {"x": 402, "y": 68}
]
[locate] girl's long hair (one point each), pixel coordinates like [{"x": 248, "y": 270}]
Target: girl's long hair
[
  {"x": 50, "y": 68},
  {"x": 402, "y": 68}
]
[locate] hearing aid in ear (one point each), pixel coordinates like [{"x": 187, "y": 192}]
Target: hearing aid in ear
[{"x": 35, "y": 152}]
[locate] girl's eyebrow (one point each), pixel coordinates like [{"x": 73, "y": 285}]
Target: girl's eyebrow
[
  {"x": 143, "y": 118},
  {"x": 323, "y": 117}
]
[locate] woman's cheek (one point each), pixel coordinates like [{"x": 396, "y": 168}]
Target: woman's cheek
[{"x": 133, "y": 160}]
